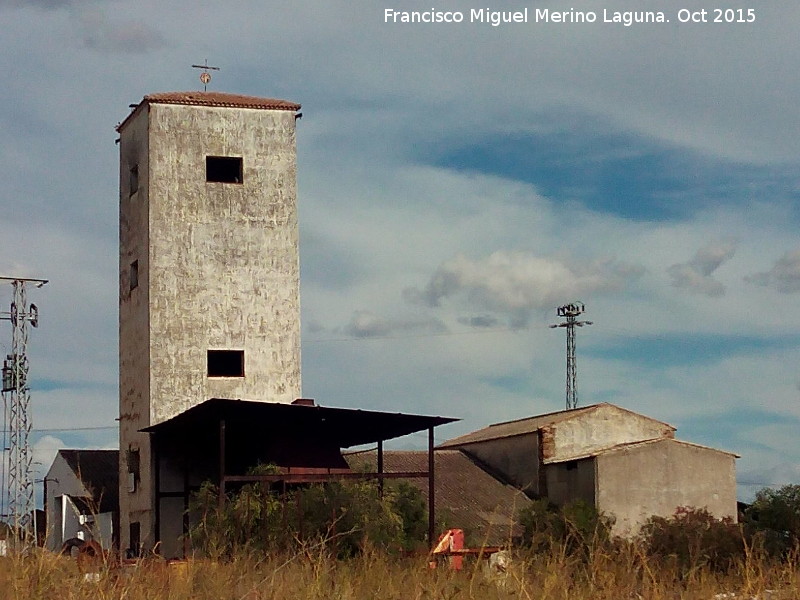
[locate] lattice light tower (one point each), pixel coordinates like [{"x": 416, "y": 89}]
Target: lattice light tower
[
  {"x": 16, "y": 400},
  {"x": 571, "y": 312}
]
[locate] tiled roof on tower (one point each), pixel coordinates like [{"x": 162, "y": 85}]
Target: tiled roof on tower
[
  {"x": 216, "y": 99},
  {"x": 220, "y": 99}
]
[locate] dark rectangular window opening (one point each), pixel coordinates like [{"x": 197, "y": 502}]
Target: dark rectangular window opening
[
  {"x": 132, "y": 459},
  {"x": 134, "y": 274},
  {"x": 133, "y": 180},
  {"x": 135, "y": 535},
  {"x": 226, "y": 363},
  {"x": 571, "y": 465},
  {"x": 224, "y": 169}
]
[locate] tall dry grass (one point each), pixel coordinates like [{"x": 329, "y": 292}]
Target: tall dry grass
[{"x": 620, "y": 574}]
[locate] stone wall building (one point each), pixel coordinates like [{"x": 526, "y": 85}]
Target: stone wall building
[
  {"x": 209, "y": 311},
  {"x": 627, "y": 465},
  {"x": 208, "y": 270}
]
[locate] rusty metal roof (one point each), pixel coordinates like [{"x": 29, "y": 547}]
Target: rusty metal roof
[
  {"x": 531, "y": 425},
  {"x": 342, "y": 427},
  {"x": 216, "y": 99},
  {"x": 467, "y": 496}
]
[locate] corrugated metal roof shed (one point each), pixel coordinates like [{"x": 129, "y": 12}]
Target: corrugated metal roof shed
[{"x": 341, "y": 427}]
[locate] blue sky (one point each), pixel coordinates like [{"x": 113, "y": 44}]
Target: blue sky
[{"x": 456, "y": 184}]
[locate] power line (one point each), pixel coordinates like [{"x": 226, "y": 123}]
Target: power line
[{"x": 58, "y": 429}]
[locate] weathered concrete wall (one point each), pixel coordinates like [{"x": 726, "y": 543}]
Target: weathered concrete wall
[
  {"x": 655, "y": 479},
  {"x": 570, "y": 481},
  {"x": 134, "y": 329},
  {"x": 218, "y": 270},
  {"x": 224, "y": 257},
  {"x": 604, "y": 427},
  {"x": 515, "y": 459}
]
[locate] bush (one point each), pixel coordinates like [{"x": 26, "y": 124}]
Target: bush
[
  {"x": 344, "y": 516},
  {"x": 774, "y": 519},
  {"x": 578, "y": 526},
  {"x": 693, "y": 539}
]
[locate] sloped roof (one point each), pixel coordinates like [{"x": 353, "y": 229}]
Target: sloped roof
[
  {"x": 466, "y": 496},
  {"x": 98, "y": 470},
  {"x": 633, "y": 446},
  {"x": 220, "y": 99},
  {"x": 217, "y": 99},
  {"x": 532, "y": 425},
  {"x": 603, "y": 450},
  {"x": 344, "y": 427}
]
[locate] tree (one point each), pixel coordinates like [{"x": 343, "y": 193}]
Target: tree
[{"x": 775, "y": 515}]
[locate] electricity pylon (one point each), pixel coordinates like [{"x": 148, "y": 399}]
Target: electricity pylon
[
  {"x": 571, "y": 312},
  {"x": 16, "y": 397}
]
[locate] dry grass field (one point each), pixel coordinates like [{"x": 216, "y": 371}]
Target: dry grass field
[{"x": 621, "y": 575}]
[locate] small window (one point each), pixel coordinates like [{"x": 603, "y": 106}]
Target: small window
[
  {"x": 133, "y": 180},
  {"x": 133, "y": 469},
  {"x": 134, "y": 274},
  {"x": 224, "y": 169},
  {"x": 226, "y": 363},
  {"x": 135, "y": 535}
]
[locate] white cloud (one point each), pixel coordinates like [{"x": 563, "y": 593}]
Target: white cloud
[
  {"x": 696, "y": 275},
  {"x": 43, "y": 452},
  {"x": 365, "y": 323},
  {"x": 517, "y": 282},
  {"x": 784, "y": 276},
  {"x": 379, "y": 102}
]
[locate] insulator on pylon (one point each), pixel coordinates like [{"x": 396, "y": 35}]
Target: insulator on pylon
[{"x": 8, "y": 377}]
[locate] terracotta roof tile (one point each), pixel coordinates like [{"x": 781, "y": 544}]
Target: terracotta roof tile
[
  {"x": 217, "y": 99},
  {"x": 220, "y": 99}
]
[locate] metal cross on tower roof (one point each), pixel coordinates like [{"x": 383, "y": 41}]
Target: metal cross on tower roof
[
  {"x": 571, "y": 312},
  {"x": 205, "y": 76}
]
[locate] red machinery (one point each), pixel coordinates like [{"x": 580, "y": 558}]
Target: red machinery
[{"x": 451, "y": 545}]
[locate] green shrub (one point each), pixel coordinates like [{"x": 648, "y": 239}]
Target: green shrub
[
  {"x": 344, "y": 516},
  {"x": 409, "y": 504},
  {"x": 577, "y": 526},
  {"x": 693, "y": 539}
]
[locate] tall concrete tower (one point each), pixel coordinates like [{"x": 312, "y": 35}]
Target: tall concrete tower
[{"x": 208, "y": 269}]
